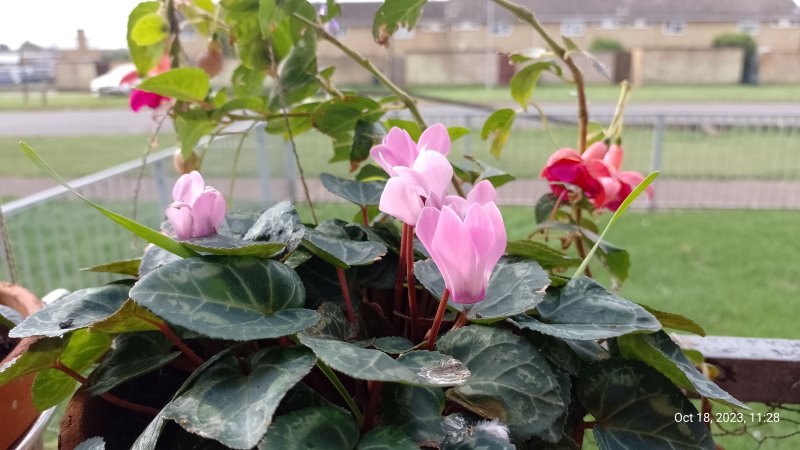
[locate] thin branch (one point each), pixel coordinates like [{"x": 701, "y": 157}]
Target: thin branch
[
  {"x": 178, "y": 342},
  {"x": 331, "y": 375},
  {"x": 151, "y": 144},
  {"x": 107, "y": 396},
  {"x": 526, "y": 15},
  {"x": 236, "y": 156},
  {"x": 7, "y": 250}
]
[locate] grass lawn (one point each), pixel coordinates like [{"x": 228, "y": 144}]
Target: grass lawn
[
  {"x": 609, "y": 93},
  {"x": 15, "y": 101}
]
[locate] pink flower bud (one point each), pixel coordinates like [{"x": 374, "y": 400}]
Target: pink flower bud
[{"x": 198, "y": 210}]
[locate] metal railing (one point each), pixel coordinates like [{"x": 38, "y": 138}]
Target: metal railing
[{"x": 706, "y": 162}]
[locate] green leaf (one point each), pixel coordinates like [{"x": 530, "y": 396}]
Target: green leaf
[
  {"x": 129, "y": 318},
  {"x": 420, "y": 368},
  {"x": 127, "y": 267},
  {"x": 342, "y": 253},
  {"x": 144, "y": 57},
  {"x": 233, "y": 407},
  {"x": 386, "y": 438},
  {"x": 456, "y": 133},
  {"x": 247, "y": 82},
  {"x": 410, "y": 126},
  {"x": 367, "y": 135},
  {"x": 83, "y": 348},
  {"x": 77, "y": 310},
  {"x": 332, "y": 323},
  {"x": 321, "y": 427},
  {"x": 675, "y": 321},
  {"x": 584, "y": 310},
  {"x": 191, "y": 126},
  {"x": 358, "y": 192},
  {"x": 523, "y": 82},
  {"x": 298, "y": 74},
  {"x": 154, "y": 258},
  {"x": 544, "y": 207},
  {"x": 39, "y": 356},
  {"x": 546, "y": 256},
  {"x": 237, "y": 298},
  {"x": 95, "y": 443},
  {"x": 340, "y": 115},
  {"x": 394, "y": 14},
  {"x": 628, "y": 200},
  {"x": 9, "y": 317},
  {"x": 188, "y": 84},
  {"x": 515, "y": 287},
  {"x": 461, "y": 434},
  {"x": 658, "y": 351},
  {"x": 393, "y": 344},
  {"x": 568, "y": 355},
  {"x": 498, "y": 125},
  {"x": 146, "y": 233},
  {"x": 150, "y": 29},
  {"x": 224, "y": 245},
  {"x": 511, "y": 380},
  {"x": 635, "y": 407},
  {"x": 281, "y": 224},
  {"x": 416, "y": 411},
  {"x": 133, "y": 355}
]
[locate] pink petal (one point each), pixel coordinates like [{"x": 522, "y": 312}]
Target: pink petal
[
  {"x": 179, "y": 215},
  {"x": 402, "y": 150},
  {"x": 459, "y": 204},
  {"x": 455, "y": 256},
  {"x": 208, "y": 212},
  {"x": 611, "y": 189},
  {"x": 482, "y": 193},
  {"x": 435, "y": 170},
  {"x": 563, "y": 153},
  {"x": 435, "y": 137},
  {"x": 401, "y": 199},
  {"x": 140, "y": 99},
  {"x": 614, "y": 156},
  {"x": 377, "y": 153},
  {"x": 595, "y": 151},
  {"x": 500, "y": 238},
  {"x": 188, "y": 187},
  {"x": 633, "y": 179},
  {"x": 426, "y": 226}
]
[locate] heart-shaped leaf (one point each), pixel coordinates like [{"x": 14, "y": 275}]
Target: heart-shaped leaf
[
  {"x": 393, "y": 344},
  {"x": 511, "y": 380},
  {"x": 658, "y": 351},
  {"x": 82, "y": 349},
  {"x": 10, "y": 317},
  {"x": 386, "y": 438},
  {"x": 420, "y": 368},
  {"x": 77, "y": 310},
  {"x": 154, "y": 258},
  {"x": 342, "y": 253},
  {"x": 416, "y": 411},
  {"x": 95, "y": 443},
  {"x": 188, "y": 84},
  {"x": 321, "y": 427},
  {"x": 128, "y": 319},
  {"x": 636, "y": 407},
  {"x": 585, "y": 310},
  {"x": 358, "y": 192},
  {"x": 546, "y": 256},
  {"x": 235, "y": 407},
  {"x": 464, "y": 434},
  {"x": 39, "y": 356},
  {"x": 280, "y": 223},
  {"x": 238, "y": 298},
  {"x": 133, "y": 355},
  {"x": 225, "y": 245},
  {"x": 516, "y": 286}
]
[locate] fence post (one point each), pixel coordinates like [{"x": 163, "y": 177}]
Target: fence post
[
  {"x": 263, "y": 166},
  {"x": 290, "y": 169},
  {"x": 162, "y": 189},
  {"x": 468, "y": 137},
  {"x": 655, "y": 157}
]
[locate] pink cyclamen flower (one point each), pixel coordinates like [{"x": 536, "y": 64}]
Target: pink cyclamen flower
[
  {"x": 139, "y": 98},
  {"x": 567, "y": 166},
  {"x": 197, "y": 210},
  {"x": 411, "y": 188},
  {"x": 465, "y": 248},
  {"x": 399, "y": 150}
]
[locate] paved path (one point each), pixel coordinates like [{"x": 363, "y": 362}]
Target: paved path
[{"x": 123, "y": 121}]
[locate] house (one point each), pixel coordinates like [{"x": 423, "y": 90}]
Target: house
[{"x": 458, "y": 41}]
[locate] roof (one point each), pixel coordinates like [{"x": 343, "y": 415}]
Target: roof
[{"x": 476, "y": 11}]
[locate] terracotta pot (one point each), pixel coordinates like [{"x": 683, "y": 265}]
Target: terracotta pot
[
  {"x": 17, "y": 412},
  {"x": 85, "y": 417}
]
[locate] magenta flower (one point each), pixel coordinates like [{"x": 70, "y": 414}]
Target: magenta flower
[
  {"x": 197, "y": 210},
  {"x": 407, "y": 192},
  {"x": 604, "y": 164},
  {"x": 567, "y": 166},
  {"x": 140, "y": 99},
  {"x": 399, "y": 150},
  {"x": 465, "y": 247}
]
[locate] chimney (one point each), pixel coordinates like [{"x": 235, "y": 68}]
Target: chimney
[{"x": 83, "y": 44}]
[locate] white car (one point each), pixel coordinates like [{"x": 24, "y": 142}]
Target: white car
[{"x": 110, "y": 83}]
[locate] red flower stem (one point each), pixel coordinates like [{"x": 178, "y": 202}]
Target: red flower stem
[
  {"x": 375, "y": 388},
  {"x": 109, "y": 397},
  {"x": 365, "y": 216},
  {"x": 178, "y": 342},
  {"x": 437, "y": 321},
  {"x": 412, "y": 290},
  {"x": 398, "y": 281},
  {"x": 460, "y": 322},
  {"x": 348, "y": 303}
]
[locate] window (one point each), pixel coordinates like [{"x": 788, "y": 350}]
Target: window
[
  {"x": 674, "y": 27},
  {"x": 640, "y": 23},
  {"x": 466, "y": 26},
  {"x": 747, "y": 26},
  {"x": 500, "y": 29},
  {"x": 404, "y": 34},
  {"x": 609, "y": 24},
  {"x": 433, "y": 27},
  {"x": 572, "y": 28}
]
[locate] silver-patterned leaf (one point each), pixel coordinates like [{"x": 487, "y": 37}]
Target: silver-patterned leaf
[
  {"x": 342, "y": 253},
  {"x": 359, "y": 192},
  {"x": 132, "y": 355},
  {"x": 416, "y": 411},
  {"x": 280, "y": 223},
  {"x": 319, "y": 427},
  {"x": 225, "y": 245},
  {"x": 386, "y": 438}
]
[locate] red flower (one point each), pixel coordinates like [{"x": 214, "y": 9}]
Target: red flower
[
  {"x": 141, "y": 98},
  {"x": 566, "y": 166}
]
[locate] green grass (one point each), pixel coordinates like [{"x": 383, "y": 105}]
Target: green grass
[
  {"x": 15, "y": 101},
  {"x": 609, "y": 93}
]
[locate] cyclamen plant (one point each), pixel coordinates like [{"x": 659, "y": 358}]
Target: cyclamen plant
[{"x": 418, "y": 326}]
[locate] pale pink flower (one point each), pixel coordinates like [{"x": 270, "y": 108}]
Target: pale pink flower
[
  {"x": 399, "y": 150},
  {"x": 197, "y": 209}
]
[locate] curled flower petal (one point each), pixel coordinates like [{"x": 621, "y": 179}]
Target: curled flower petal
[
  {"x": 595, "y": 151},
  {"x": 402, "y": 199},
  {"x": 208, "y": 212},
  {"x": 435, "y": 137},
  {"x": 179, "y": 215},
  {"x": 188, "y": 187},
  {"x": 614, "y": 157}
]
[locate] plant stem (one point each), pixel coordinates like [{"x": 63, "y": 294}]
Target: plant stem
[
  {"x": 178, "y": 342},
  {"x": 7, "y": 250},
  {"x": 437, "y": 321},
  {"x": 398, "y": 281},
  {"x": 342, "y": 391},
  {"x": 527, "y": 15},
  {"x": 461, "y": 321},
  {"x": 235, "y": 168},
  {"x": 579, "y": 239},
  {"x": 365, "y": 216},
  {"x": 107, "y": 396},
  {"x": 412, "y": 290},
  {"x": 348, "y": 303},
  {"x": 375, "y": 389}
]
